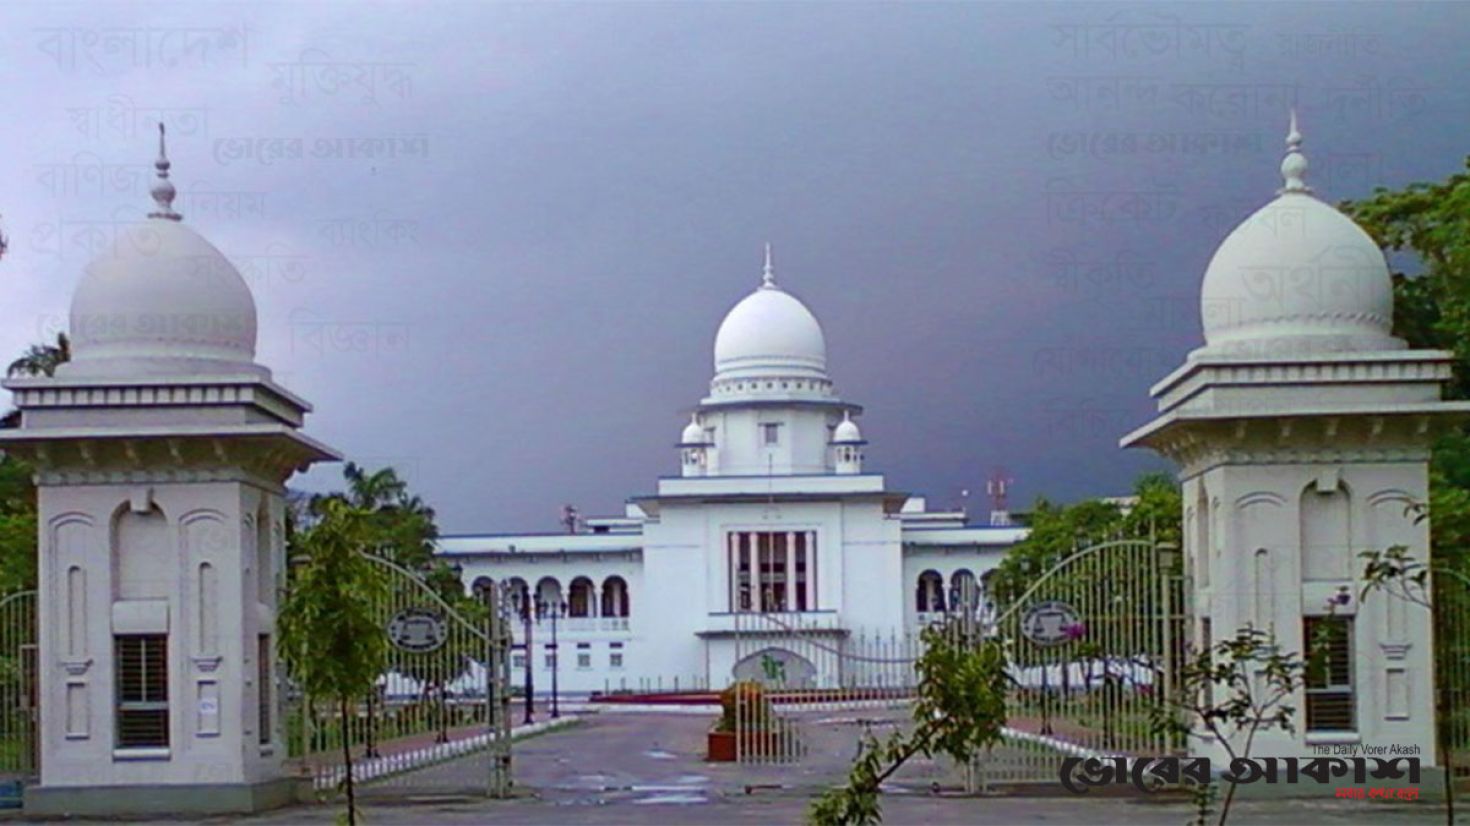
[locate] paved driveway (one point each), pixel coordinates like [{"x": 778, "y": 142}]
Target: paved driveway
[{"x": 649, "y": 769}]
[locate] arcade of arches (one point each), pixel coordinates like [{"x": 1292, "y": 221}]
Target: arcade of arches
[{"x": 582, "y": 598}]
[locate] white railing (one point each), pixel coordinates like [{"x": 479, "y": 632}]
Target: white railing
[
  {"x": 923, "y": 618},
  {"x": 572, "y": 625}
]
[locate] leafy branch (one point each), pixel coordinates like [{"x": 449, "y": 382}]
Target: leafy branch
[{"x": 960, "y": 710}]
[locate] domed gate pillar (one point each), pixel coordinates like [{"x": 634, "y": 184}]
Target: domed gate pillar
[
  {"x": 161, "y": 450},
  {"x": 1303, "y": 430}
]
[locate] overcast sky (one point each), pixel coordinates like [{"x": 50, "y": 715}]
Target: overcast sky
[{"x": 492, "y": 243}]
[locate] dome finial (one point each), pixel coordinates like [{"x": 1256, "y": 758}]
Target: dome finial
[
  {"x": 1294, "y": 165},
  {"x": 163, "y": 190},
  {"x": 768, "y": 272}
]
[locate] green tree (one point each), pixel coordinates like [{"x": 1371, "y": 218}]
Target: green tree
[
  {"x": 17, "y": 526},
  {"x": 1426, "y": 228},
  {"x": 960, "y": 711},
  {"x": 42, "y": 359},
  {"x": 1229, "y": 692},
  {"x": 1058, "y": 531},
  {"x": 330, "y": 637},
  {"x": 17, "y": 489},
  {"x": 403, "y": 526}
]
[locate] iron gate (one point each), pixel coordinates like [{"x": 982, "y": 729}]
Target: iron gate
[
  {"x": 439, "y": 719},
  {"x": 1095, "y": 643},
  {"x": 19, "y": 755},
  {"x": 806, "y": 691}
]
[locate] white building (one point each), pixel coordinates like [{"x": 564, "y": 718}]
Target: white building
[
  {"x": 772, "y": 512},
  {"x": 1303, "y": 430}
]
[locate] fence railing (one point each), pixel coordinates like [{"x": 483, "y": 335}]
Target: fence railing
[
  {"x": 433, "y": 702},
  {"x": 18, "y": 693}
]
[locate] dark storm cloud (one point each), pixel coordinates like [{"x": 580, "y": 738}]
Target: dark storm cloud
[{"x": 492, "y": 243}]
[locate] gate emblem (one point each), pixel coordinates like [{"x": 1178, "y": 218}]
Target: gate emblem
[
  {"x": 417, "y": 630},
  {"x": 1050, "y": 623},
  {"x": 777, "y": 668}
]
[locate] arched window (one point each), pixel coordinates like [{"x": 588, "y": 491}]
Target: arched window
[
  {"x": 929, "y": 595},
  {"x": 614, "y": 597},
  {"x": 482, "y": 588},
  {"x": 579, "y": 597},
  {"x": 964, "y": 590},
  {"x": 548, "y": 597},
  {"x": 520, "y": 596}
]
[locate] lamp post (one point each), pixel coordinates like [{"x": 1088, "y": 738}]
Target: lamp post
[
  {"x": 530, "y": 663},
  {"x": 553, "y": 608}
]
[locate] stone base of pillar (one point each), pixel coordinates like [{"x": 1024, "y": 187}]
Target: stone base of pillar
[{"x": 166, "y": 799}]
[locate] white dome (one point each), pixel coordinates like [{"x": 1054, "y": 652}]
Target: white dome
[
  {"x": 770, "y": 333},
  {"x": 847, "y": 432},
  {"x": 1297, "y": 276},
  {"x": 161, "y": 300},
  {"x": 693, "y": 433}
]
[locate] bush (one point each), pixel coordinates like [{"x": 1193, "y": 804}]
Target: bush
[{"x": 746, "y": 701}]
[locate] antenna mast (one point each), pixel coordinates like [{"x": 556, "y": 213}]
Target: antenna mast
[{"x": 997, "y": 487}]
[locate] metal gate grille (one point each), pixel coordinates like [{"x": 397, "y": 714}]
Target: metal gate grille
[
  {"x": 19, "y": 757},
  {"x": 1451, "y": 617},
  {"x": 438, "y": 722},
  {"x": 1095, "y": 643},
  {"x": 806, "y": 693}
]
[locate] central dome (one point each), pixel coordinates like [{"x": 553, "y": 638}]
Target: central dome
[
  {"x": 770, "y": 332},
  {"x": 770, "y": 346}
]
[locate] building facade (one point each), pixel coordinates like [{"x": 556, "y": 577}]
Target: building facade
[{"x": 772, "y": 513}]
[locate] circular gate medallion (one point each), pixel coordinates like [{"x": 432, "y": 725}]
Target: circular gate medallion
[
  {"x": 1050, "y": 623},
  {"x": 419, "y": 630}
]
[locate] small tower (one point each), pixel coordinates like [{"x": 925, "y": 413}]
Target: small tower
[
  {"x": 847, "y": 446},
  {"x": 1302, "y": 429},
  {"x": 161, "y": 453},
  {"x": 692, "y": 447}
]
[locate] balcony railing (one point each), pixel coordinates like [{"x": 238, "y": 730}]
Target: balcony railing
[{"x": 573, "y": 625}]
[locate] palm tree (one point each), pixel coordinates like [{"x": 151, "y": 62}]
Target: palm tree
[
  {"x": 42, "y": 359},
  {"x": 376, "y": 490}
]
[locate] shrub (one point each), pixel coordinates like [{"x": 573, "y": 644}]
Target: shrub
[{"x": 746, "y": 701}]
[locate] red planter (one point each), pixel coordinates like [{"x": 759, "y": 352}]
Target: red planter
[{"x": 721, "y": 747}]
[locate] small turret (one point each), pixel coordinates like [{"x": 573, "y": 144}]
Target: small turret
[
  {"x": 692, "y": 445},
  {"x": 847, "y": 445}
]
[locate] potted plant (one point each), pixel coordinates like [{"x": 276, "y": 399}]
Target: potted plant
[{"x": 759, "y": 731}]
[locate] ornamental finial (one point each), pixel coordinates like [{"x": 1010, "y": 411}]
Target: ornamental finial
[
  {"x": 1294, "y": 165},
  {"x": 768, "y": 273},
  {"x": 163, "y": 189}
]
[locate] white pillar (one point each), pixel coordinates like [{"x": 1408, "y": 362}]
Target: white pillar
[
  {"x": 732, "y": 567},
  {"x": 790, "y": 585},
  {"x": 811, "y": 570},
  {"x": 755, "y": 573}
]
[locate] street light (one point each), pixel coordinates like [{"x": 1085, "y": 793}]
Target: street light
[
  {"x": 525, "y": 606},
  {"x": 553, "y": 608}
]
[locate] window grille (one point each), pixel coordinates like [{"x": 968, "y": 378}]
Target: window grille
[
  {"x": 263, "y": 678},
  {"x": 1329, "y": 686},
  {"x": 142, "y": 690}
]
